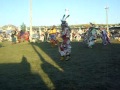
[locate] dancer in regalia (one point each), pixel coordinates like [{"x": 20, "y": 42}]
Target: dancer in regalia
[
  {"x": 91, "y": 36},
  {"x": 65, "y": 46},
  {"x": 104, "y": 36},
  {"x": 52, "y": 34}
]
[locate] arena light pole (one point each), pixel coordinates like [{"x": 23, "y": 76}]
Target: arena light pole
[
  {"x": 30, "y": 20},
  {"x": 106, "y": 8}
]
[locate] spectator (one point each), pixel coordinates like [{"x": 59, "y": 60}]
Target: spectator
[{"x": 13, "y": 36}]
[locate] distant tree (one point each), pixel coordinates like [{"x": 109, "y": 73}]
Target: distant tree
[
  {"x": 10, "y": 26},
  {"x": 23, "y": 27}
]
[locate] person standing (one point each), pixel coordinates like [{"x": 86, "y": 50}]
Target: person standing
[
  {"x": 13, "y": 36},
  {"x": 46, "y": 34}
]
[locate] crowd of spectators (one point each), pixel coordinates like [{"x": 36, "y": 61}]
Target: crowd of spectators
[{"x": 16, "y": 36}]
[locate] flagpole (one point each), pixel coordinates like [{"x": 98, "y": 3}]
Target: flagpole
[{"x": 30, "y": 20}]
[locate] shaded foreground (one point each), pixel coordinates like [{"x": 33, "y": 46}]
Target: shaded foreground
[{"x": 36, "y": 66}]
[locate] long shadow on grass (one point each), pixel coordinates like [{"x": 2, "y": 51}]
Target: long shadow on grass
[
  {"x": 17, "y": 76},
  {"x": 51, "y": 70},
  {"x": 89, "y": 69}
]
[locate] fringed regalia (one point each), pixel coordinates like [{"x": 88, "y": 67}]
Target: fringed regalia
[
  {"x": 91, "y": 36},
  {"x": 104, "y": 36},
  {"x": 52, "y": 34},
  {"x": 65, "y": 46}
]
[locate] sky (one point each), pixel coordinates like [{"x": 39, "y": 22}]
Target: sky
[{"x": 50, "y": 12}]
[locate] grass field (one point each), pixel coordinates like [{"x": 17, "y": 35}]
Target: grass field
[{"x": 36, "y": 66}]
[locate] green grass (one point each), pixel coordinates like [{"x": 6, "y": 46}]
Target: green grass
[{"x": 36, "y": 66}]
